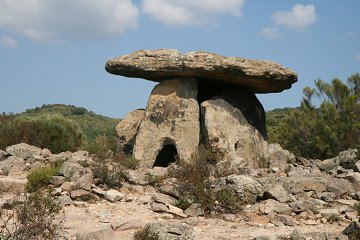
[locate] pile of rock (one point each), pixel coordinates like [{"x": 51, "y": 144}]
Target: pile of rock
[
  {"x": 296, "y": 193},
  {"x": 202, "y": 98}
]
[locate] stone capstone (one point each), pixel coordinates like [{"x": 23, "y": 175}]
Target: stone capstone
[
  {"x": 172, "y": 119},
  {"x": 259, "y": 76},
  {"x": 127, "y": 130}
]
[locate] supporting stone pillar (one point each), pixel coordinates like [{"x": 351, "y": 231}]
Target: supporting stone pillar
[
  {"x": 172, "y": 118},
  {"x": 233, "y": 125}
]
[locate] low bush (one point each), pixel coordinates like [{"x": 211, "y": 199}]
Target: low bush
[
  {"x": 194, "y": 179},
  {"x": 40, "y": 177},
  {"x": 34, "y": 217},
  {"x": 108, "y": 174},
  {"x": 53, "y": 132}
]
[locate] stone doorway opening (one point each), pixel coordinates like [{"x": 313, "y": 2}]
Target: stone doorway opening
[{"x": 166, "y": 156}]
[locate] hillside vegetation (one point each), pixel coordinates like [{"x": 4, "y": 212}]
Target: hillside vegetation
[
  {"x": 58, "y": 127},
  {"x": 320, "y": 131}
]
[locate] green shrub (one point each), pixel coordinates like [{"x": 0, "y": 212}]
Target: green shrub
[
  {"x": 35, "y": 217},
  {"x": 40, "y": 177},
  {"x": 103, "y": 147},
  {"x": 53, "y": 132},
  {"x": 109, "y": 175},
  {"x": 194, "y": 180}
]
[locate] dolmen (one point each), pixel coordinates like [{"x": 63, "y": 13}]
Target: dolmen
[{"x": 201, "y": 99}]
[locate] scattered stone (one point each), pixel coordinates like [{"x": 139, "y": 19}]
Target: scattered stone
[
  {"x": 158, "y": 207},
  {"x": 329, "y": 213},
  {"x": 194, "y": 210},
  {"x": 278, "y": 193},
  {"x": 145, "y": 176},
  {"x": 286, "y": 220},
  {"x": 299, "y": 184},
  {"x": 167, "y": 231},
  {"x": 244, "y": 186},
  {"x": 353, "y": 177},
  {"x": 72, "y": 171},
  {"x": 128, "y": 224},
  {"x": 229, "y": 217},
  {"x": 113, "y": 195},
  {"x": 81, "y": 195},
  {"x": 45, "y": 153},
  {"x": 165, "y": 199},
  {"x": 127, "y": 130},
  {"x": 261, "y": 238},
  {"x": 339, "y": 186},
  {"x": 57, "y": 181},
  {"x": 297, "y": 235},
  {"x": 23, "y": 150},
  {"x": 170, "y": 190},
  {"x": 11, "y": 164},
  {"x": 67, "y": 186},
  {"x": 12, "y": 185},
  {"x": 84, "y": 182},
  {"x": 65, "y": 200},
  {"x": 176, "y": 211},
  {"x": 352, "y": 230},
  {"x": 105, "y": 233}
]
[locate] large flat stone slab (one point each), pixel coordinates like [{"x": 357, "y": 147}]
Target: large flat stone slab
[{"x": 259, "y": 76}]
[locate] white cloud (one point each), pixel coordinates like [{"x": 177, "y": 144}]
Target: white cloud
[
  {"x": 270, "y": 32},
  {"x": 47, "y": 20},
  {"x": 190, "y": 12},
  {"x": 8, "y": 42},
  {"x": 299, "y": 18}
]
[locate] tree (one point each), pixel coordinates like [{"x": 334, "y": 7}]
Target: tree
[{"x": 334, "y": 126}]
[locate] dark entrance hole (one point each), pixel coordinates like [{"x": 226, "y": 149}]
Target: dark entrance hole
[{"x": 166, "y": 156}]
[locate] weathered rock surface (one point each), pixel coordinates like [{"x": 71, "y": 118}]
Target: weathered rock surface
[
  {"x": 233, "y": 125},
  {"x": 12, "y": 185},
  {"x": 105, "y": 233},
  {"x": 158, "y": 65},
  {"x": 246, "y": 188},
  {"x": 128, "y": 128},
  {"x": 171, "y": 120},
  {"x": 168, "y": 231},
  {"x": 23, "y": 150}
]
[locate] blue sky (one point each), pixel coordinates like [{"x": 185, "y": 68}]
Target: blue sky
[{"x": 54, "y": 51}]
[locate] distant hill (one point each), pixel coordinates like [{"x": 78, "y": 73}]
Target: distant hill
[{"x": 90, "y": 123}]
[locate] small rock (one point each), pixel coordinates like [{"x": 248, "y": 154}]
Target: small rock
[
  {"x": 98, "y": 191},
  {"x": 158, "y": 207},
  {"x": 12, "y": 185},
  {"x": 57, "y": 181},
  {"x": 277, "y": 192},
  {"x": 286, "y": 220},
  {"x": 261, "y": 238},
  {"x": 165, "y": 199},
  {"x": 56, "y": 191},
  {"x": 64, "y": 200},
  {"x": 67, "y": 186},
  {"x": 194, "y": 210},
  {"x": 113, "y": 195},
  {"x": 7, "y": 165},
  {"x": 45, "y": 152},
  {"x": 297, "y": 235},
  {"x": 170, "y": 190},
  {"x": 329, "y": 213},
  {"x": 72, "y": 171},
  {"x": 167, "y": 231},
  {"x": 81, "y": 195},
  {"x": 84, "y": 182},
  {"x": 100, "y": 234},
  {"x": 23, "y": 150},
  {"x": 229, "y": 217},
  {"x": 128, "y": 224},
  {"x": 176, "y": 211}
]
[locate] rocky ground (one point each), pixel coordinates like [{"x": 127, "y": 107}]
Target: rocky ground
[{"x": 295, "y": 198}]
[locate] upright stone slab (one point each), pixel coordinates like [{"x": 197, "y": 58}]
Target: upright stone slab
[
  {"x": 233, "y": 125},
  {"x": 171, "y": 124}
]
